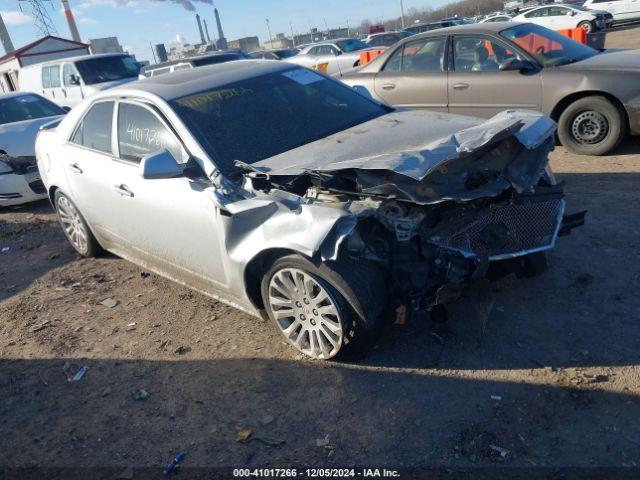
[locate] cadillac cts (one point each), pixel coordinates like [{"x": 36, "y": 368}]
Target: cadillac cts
[{"x": 287, "y": 194}]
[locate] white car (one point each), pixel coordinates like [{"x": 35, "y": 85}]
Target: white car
[
  {"x": 68, "y": 81},
  {"x": 563, "y": 17},
  {"x": 621, "y": 10},
  {"x": 21, "y": 116},
  {"x": 496, "y": 18},
  {"x": 335, "y": 57}
]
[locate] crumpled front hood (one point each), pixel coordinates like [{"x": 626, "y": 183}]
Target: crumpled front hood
[
  {"x": 411, "y": 143},
  {"x": 18, "y": 139}
]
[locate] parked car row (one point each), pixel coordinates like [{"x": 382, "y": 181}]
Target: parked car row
[{"x": 485, "y": 68}]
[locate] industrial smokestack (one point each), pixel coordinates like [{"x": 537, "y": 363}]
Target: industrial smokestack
[
  {"x": 222, "y": 42},
  {"x": 202, "y": 40},
  {"x": 72, "y": 23},
  {"x": 206, "y": 30},
  {"x": 5, "y": 38}
]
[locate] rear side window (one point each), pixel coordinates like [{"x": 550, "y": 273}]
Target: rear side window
[
  {"x": 46, "y": 80},
  {"x": 141, "y": 133},
  {"x": 94, "y": 130}
]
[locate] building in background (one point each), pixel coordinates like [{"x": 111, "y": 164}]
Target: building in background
[
  {"x": 161, "y": 53},
  {"x": 5, "y": 39},
  {"x": 42, "y": 50},
  {"x": 105, "y": 45},
  {"x": 246, "y": 44},
  {"x": 280, "y": 41}
]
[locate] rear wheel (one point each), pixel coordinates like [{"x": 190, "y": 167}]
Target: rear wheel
[
  {"x": 591, "y": 126},
  {"x": 325, "y": 311},
  {"x": 75, "y": 227}
]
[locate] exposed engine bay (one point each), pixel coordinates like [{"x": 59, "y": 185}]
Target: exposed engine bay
[{"x": 442, "y": 217}]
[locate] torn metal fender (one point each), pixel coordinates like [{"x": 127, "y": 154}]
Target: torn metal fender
[{"x": 255, "y": 225}]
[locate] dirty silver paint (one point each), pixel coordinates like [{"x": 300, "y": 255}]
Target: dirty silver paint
[{"x": 211, "y": 233}]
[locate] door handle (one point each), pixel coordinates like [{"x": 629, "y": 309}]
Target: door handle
[
  {"x": 75, "y": 168},
  {"x": 388, "y": 86},
  {"x": 460, "y": 86},
  {"x": 123, "y": 190}
]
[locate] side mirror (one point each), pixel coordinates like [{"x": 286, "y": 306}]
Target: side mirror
[
  {"x": 570, "y": 13},
  {"x": 337, "y": 53},
  {"x": 74, "y": 79},
  {"x": 160, "y": 165},
  {"x": 516, "y": 64},
  {"x": 66, "y": 109}
]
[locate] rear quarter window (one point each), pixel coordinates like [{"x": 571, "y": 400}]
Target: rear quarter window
[{"x": 95, "y": 129}]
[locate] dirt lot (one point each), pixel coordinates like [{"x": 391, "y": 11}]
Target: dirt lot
[{"x": 555, "y": 380}]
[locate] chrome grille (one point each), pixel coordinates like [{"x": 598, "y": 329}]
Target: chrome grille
[{"x": 508, "y": 230}]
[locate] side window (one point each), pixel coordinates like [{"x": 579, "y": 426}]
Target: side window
[
  {"x": 54, "y": 76},
  {"x": 333, "y": 50},
  {"x": 540, "y": 12},
  {"x": 94, "y": 131},
  {"x": 313, "y": 51},
  {"x": 558, "y": 11},
  {"x": 68, "y": 71},
  {"x": 141, "y": 133},
  {"x": 424, "y": 56},
  {"x": 479, "y": 54},
  {"x": 46, "y": 80}
]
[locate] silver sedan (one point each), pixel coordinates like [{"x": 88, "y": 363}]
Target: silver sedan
[{"x": 288, "y": 195}]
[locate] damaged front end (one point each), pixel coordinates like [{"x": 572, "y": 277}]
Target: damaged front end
[{"x": 473, "y": 205}]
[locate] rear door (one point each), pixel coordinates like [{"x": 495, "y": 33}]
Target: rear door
[
  {"x": 88, "y": 166},
  {"x": 415, "y": 75},
  {"x": 476, "y": 85}
]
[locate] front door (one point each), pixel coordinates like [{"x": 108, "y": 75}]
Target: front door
[
  {"x": 476, "y": 85},
  {"x": 72, "y": 89},
  {"x": 171, "y": 225},
  {"x": 415, "y": 76}
]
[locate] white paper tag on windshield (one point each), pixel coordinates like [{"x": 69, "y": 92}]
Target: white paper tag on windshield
[{"x": 303, "y": 76}]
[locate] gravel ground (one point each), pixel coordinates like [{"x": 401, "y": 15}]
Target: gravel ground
[{"x": 553, "y": 382}]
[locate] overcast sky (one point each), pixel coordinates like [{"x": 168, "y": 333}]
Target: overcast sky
[{"x": 138, "y": 22}]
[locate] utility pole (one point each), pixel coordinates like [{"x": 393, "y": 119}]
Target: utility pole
[
  {"x": 293, "y": 37},
  {"x": 270, "y": 37},
  {"x": 402, "y": 14}
]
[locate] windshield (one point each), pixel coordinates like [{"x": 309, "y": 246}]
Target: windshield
[
  {"x": 548, "y": 47},
  {"x": 27, "y": 107},
  {"x": 351, "y": 45},
  {"x": 107, "y": 69},
  {"x": 220, "y": 58},
  {"x": 260, "y": 117}
]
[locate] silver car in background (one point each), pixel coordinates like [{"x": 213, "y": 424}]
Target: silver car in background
[
  {"x": 333, "y": 57},
  {"x": 21, "y": 116},
  {"x": 286, "y": 194}
]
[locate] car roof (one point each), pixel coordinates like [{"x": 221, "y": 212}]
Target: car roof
[
  {"x": 169, "y": 63},
  {"x": 490, "y": 27},
  {"x": 14, "y": 94},
  {"x": 80, "y": 57},
  {"x": 188, "y": 82}
]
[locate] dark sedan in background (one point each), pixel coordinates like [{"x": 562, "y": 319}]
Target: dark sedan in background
[{"x": 485, "y": 68}]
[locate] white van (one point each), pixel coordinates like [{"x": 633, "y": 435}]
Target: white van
[
  {"x": 68, "y": 81},
  {"x": 622, "y": 10}
]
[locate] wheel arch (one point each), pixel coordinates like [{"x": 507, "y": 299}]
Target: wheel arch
[
  {"x": 257, "y": 267},
  {"x": 52, "y": 194},
  {"x": 569, "y": 99}
]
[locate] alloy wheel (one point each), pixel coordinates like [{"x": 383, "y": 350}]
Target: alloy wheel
[
  {"x": 73, "y": 224},
  {"x": 590, "y": 127},
  {"x": 306, "y": 313}
]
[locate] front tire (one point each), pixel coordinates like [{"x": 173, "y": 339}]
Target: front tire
[
  {"x": 327, "y": 311},
  {"x": 591, "y": 126},
  {"x": 587, "y": 26},
  {"x": 75, "y": 226}
]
